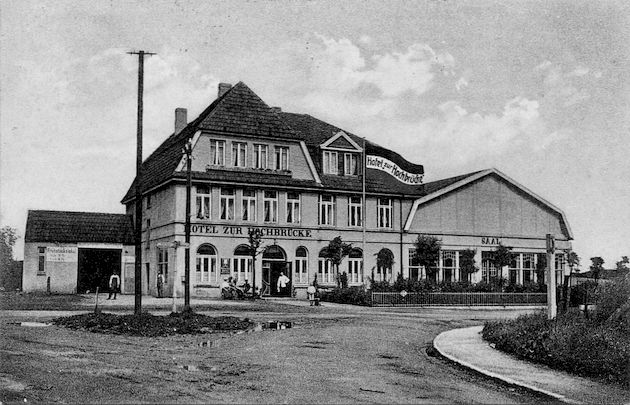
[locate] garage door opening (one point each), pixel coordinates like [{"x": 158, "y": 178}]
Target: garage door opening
[{"x": 95, "y": 267}]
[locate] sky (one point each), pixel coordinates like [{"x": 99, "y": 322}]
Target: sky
[{"x": 537, "y": 89}]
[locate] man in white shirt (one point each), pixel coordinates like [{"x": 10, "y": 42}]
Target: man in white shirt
[
  {"x": 114, "y": 285},
  {"x": 283, "y": 282}
]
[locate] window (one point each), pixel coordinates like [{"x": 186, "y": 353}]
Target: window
[
  {"x": 203, "y": 202},
  {"x": 242, "y": 268},
  {"x": 217, "y": 152},
  {"x": 355, "y": 206},
  {"x": 227, "y": 204},
  {"x": 249, "y": 205},
  {"x": 325, "y": 269},
  {"x": 330, "y": 163},
  {"x": 270, "y": 205},
  {"x": 559, "y": 261},
  {"x": 41, "y": 256},
  {"x": 301, "y": 266},
  {"x": 355, "y": 266},
  {"x": 148, "y": 201},
  {"x": 488, "y": 268},
  {"x": 350, "y": 167},
  {"x": 326, "y": 210},
  {"x": 207, "y": 265},
  {"x": 148, "y": 233},
  {"x": 449, "y": 265},
  {"x": 293, "y": 208},
  {"x": 163, "y": 263},
  {"x": 414, "y": 267},
  {"x": 239, "y": 154},
  {"x": 528, "y": 267},
  {"x": 384, "y": 212},
  {"x": 260, "y": 156},
  {"x": 282, "y": 158},
  {"x": 514, "y": 268}
]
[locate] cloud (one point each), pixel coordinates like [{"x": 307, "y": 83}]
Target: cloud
[
  {"x": 342, "y": 80},
  {"x": 461, "y": 83},
  {"x": 565, "y": 88}
]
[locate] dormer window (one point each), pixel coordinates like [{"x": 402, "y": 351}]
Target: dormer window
[
  {"x": 239, "y": 154},
  {"x": 330, "y": 165},
  {"x": 282, "y": 158},
  {"x": 350, "y": 166},
  {"x": 217, "y": 152},
  {"x": 260, "y": 156}
]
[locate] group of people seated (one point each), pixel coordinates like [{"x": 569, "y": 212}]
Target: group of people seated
[{"x": 230, "y": 289}]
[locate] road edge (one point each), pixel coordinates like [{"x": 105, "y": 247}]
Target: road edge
[{"x": 495, "y": 376}]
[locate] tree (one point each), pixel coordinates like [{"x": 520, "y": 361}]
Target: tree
[
  {"x": 384, "y": 260},
  {"x": 467, "y": 265},
  {"x": 573, "y": 260},
  {"x": 254, "y": 239},
  {"x": 8, "y": 237},
  {"x": 428, "y": 253},
  {"x": 597, "y": 265},
  {"x": 622, "y": 265},
  {"x": 336, "y": 250},
  {"x": 501, "y": 257}
]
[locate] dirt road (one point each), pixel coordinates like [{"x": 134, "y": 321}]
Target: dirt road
[{"x": 334, "y": 354}]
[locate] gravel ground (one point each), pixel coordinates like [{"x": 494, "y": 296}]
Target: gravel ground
[{"x": 333, "y": 354}]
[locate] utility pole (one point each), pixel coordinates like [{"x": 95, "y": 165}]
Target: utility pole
[
  {"x": 188, "y": 152},
  {"x": 551, "y": 277},
  {"x": 138, "y": 188}
]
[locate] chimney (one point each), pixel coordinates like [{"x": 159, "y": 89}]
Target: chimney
[
  {"x": 276, "y": 109},
  {"x": 223, "y": 88},
  {"x": 181, "y": 119}
]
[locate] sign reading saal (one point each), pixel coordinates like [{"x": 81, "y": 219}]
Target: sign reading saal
[
  {"x": 386, "y": 165},
  {"x": 62, "y": 254}
]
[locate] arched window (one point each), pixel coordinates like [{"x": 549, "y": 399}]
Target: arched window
[
  {"x": 301, "y": 265},
  {"x": 242, "y": 264},
  {"x": 384, "y": 262},
  {"x": 207, "y": 265},
  {"x": 355, "y": 266},
  {"x": 325, "y": 269},
  {"x": 274, "y": 252}
]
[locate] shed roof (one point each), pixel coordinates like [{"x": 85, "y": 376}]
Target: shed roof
[{"x": 78, "y": 227}]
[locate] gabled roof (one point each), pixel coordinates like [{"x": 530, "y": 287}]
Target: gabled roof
[
  {"x": 438, "y": 188},
  {"x": 238, "y": 111},
  {"x": 78, "y": 227},
  {"x": 341, "y": 140}
]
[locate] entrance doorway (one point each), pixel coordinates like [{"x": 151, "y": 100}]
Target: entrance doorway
[
  {"x": 274, "y": 263},
  {"x": 95, "y": 267}
]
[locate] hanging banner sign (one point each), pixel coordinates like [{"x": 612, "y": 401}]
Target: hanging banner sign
[
  {"x": 62, "y": 254},
  {"x": 386, "y": 165}
]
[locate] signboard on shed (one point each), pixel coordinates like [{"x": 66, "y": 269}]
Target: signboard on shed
[{"x": 62, "y": 254}]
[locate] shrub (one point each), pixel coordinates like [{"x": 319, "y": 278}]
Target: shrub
[
  {"x": 580, "y": 292},
  {"x": 349, "y": 295},
  {"x": 570, "y": 342},
  {"x": 609, "y": 298}
]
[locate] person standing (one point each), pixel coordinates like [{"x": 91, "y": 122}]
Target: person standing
[
  {"x": 283, "y": 281},
  {"x": 160, "y": 284},
  {"x": 311, "y": 291},
  {"x": 114, "y": 285}
]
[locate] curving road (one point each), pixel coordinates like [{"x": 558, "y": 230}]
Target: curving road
[{"x": 333, "y": 354}]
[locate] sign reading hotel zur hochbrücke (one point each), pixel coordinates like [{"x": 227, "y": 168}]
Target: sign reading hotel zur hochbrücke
[
  {"x": 242, "y": 230},
  {"x": 387, "y": 166}
]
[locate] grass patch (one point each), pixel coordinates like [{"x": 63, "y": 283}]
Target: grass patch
[
  {"x": 152, "y": 325},
  {"x": 570, "y": 342}
]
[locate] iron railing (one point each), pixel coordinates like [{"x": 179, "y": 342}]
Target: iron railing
[{"x": 420, "y": 299}]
